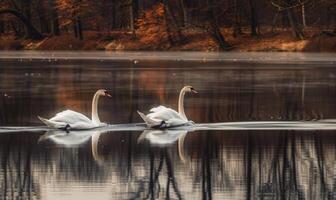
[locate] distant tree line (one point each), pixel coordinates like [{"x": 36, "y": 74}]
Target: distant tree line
[{"x": 36, "y": 19}]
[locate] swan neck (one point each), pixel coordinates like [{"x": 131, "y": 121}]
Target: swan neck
[
  {"x": 181, "y": 104},
  {"x": 94, "y": 116}
]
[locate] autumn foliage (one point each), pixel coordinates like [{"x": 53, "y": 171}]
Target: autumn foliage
[
  {"x": 152, "y": 28},
  {"x": 276, "y": 25}
]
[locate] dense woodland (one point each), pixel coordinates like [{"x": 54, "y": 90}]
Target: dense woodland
[{"x": 167, "y": 21}]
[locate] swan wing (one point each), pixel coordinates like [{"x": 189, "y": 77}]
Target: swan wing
[
  {"x": 150, "y": 122},
  {"x": 52, "y": 124},
  {"x": 158, "y": 109},
  {"x": 163, "y": 113},
  {"x": 80, "y": 125},
  {"x": 176, "y": 122},
  {"x": 70, "y": 117}
]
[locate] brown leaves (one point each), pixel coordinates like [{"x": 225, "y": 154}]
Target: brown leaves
[
  {"x": 69, "y": 9},
  {"x": 152, "y": 30}
]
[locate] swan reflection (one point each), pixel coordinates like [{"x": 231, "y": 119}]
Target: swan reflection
[
  {"x": 94, "y": 147},
  {"x": 70, "y": 139},
  {"x": 165, "y": 138},
  {"x": 161, "y": 138}
]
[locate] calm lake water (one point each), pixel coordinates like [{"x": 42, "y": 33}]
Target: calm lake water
[{"x": 225, "y": 164}]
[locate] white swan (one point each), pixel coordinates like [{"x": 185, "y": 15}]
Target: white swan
[
  {"x": 163, "y": 117},
  {"x": 69, "y": 119}
]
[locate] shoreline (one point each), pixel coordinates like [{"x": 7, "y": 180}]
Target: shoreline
[
  {"x": 141, "y": 57},
  {"x": 194, "y": 40}
]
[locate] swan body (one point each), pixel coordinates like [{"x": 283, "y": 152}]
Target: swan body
[
  {"x": 163, "y": 117},
  {"x": 69, "y": 119}
]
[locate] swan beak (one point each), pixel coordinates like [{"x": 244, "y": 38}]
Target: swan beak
[
  {"x": 108, "y": 95},
  {"x": 194, "y": 91}
]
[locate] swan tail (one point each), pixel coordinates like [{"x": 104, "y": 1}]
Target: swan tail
[
  {"x": 46, "y": 122},
  {"x": 148, "y": 121}
]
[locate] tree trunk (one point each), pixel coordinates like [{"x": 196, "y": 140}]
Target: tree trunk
[
  {"x": 44, "y": 26},
  {"x": 43, "y": 22},
  {"x": 274, "y": 21},
  {"x": 79, "y": 27},
  {"x": 2, "y": 27},
  {"x": 215, "y": 31},
  {"x": 54, "y": 18},
  {"x": 334, "y": 22},
  {"x": 77, "y": 23},
  {"x": 237, "y": 19},
  {"x": 74, "y": 24},
  {"x": 55, "y": 30},
  {"x": 219, "y": 37},
  {"x": 303, "y": 15},
  {"x": 26, "y": 10},
  {"x": 285, "y": 22},
  {"x": 254, "y": 19},
  {"x": 170, "y": 38},
  {"x": 296, "y": 30},
  {"x": 114, "y": 15},
  {"x": 173, "y": 20},
  {"x": 13, "y": 26},
  {"x": 31, "y": 31},
  {"x": 184, "y": 13},
  {"x": 131, "y": 16},
  {"x": 135, "y": 9}
]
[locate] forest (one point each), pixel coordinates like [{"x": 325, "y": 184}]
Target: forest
[{"x": 204, "y": 25}]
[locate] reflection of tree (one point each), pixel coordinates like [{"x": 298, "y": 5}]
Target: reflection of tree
[
  {"x": 16, "y": 178},
  {"x": 134, "y": 96},
  {"x": 248, "y": 165},
  {"x": 265, "y": 165},
  {"x": 206, "y": 169},
  {"x": 155, "y": 190},
  {"x": 291, "y": 167},
  {"x": 325, "y": 192}
]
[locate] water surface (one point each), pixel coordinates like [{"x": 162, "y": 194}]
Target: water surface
[{"x": 177, "y": 164}]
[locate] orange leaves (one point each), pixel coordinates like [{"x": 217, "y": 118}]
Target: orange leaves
[
  {"x": 152, "y": 28},
  {"x": 74, "y": 6},
  {"x": 68, "y": 9}
]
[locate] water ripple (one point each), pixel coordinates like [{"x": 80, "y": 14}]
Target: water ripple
[{"x": 328, "y": 124}]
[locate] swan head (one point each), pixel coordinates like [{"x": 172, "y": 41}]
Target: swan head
[
  {"x": 189, "y": 88},
  {"x": 103, "y": 92}
]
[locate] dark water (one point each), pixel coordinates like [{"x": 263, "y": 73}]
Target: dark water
[{"x": 173, "y": 164}]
